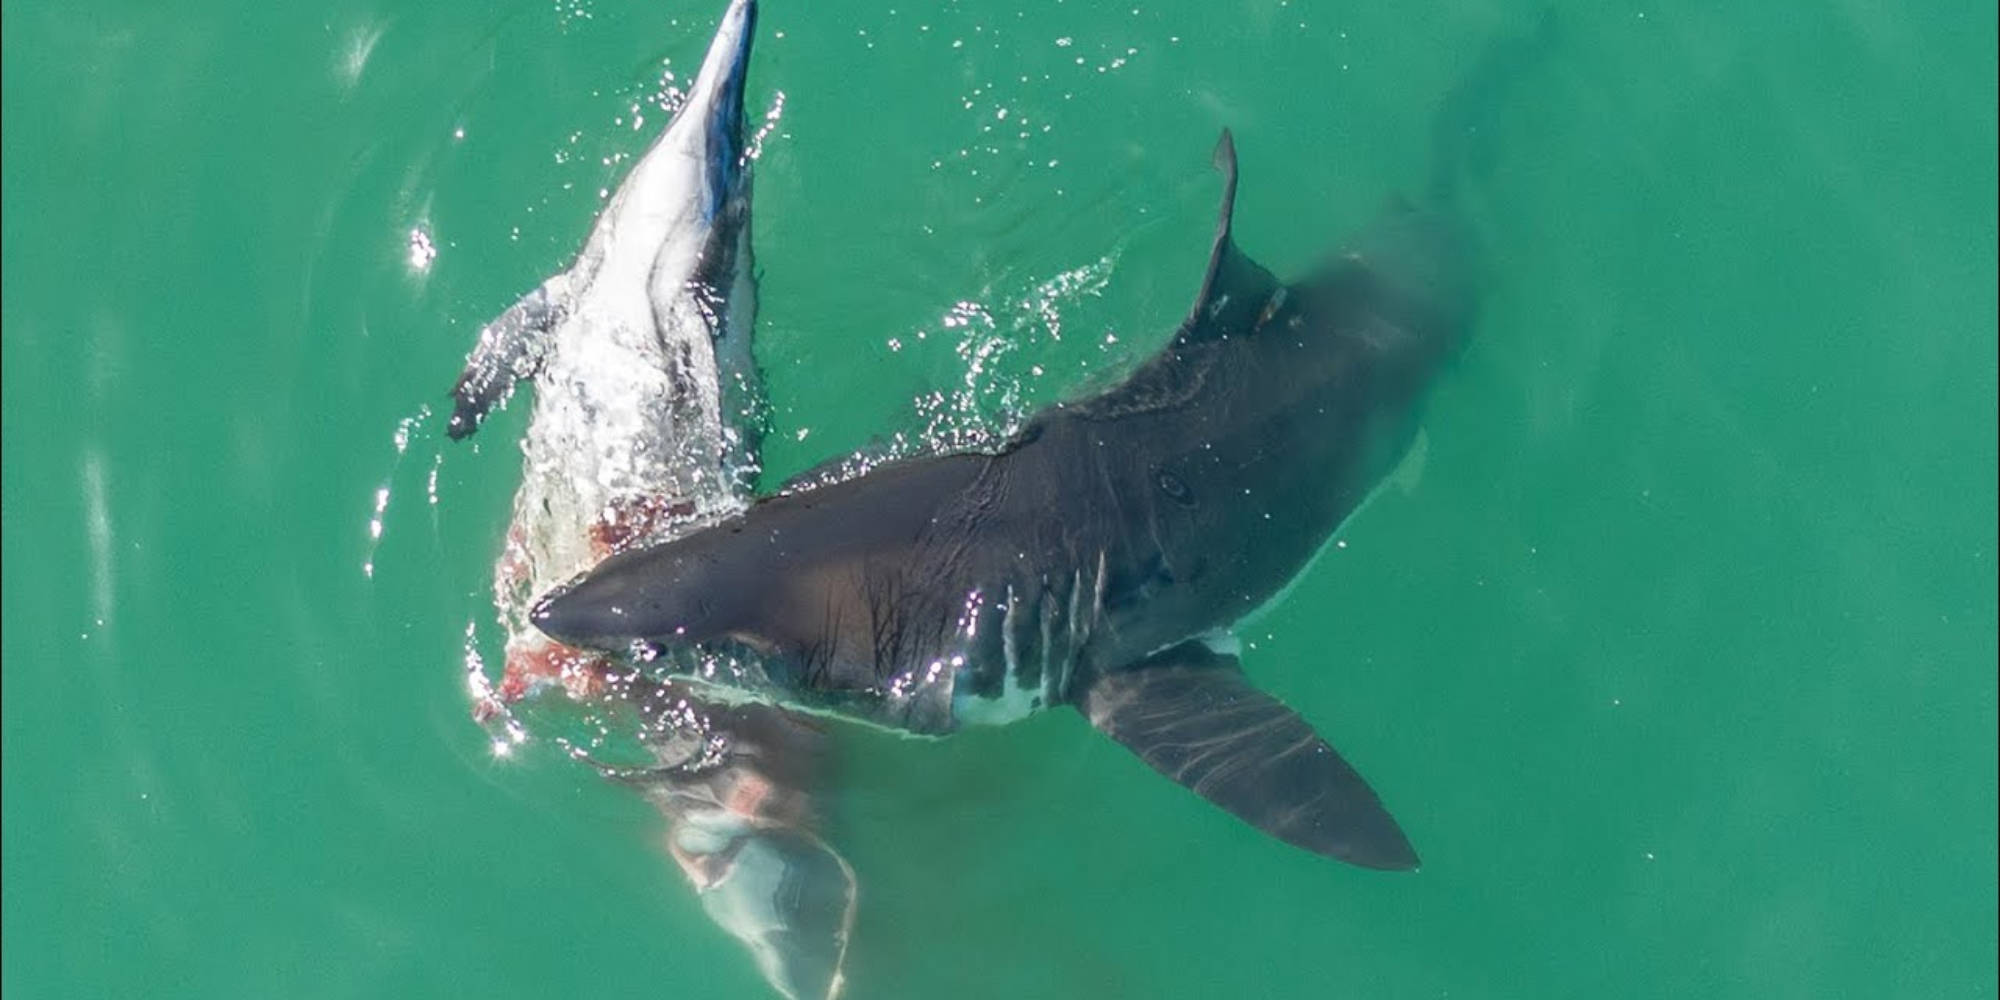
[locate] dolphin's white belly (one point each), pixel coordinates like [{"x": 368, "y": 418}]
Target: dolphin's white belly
[
  {"x": 637, "y": 426},
  {"x": 656, "y": 221},
  {"x": 627, "y": 430},
  {"x": 625, "y": 438}
]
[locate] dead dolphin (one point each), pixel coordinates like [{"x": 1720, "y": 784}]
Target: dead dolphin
[{"x": 645, "y": 418}]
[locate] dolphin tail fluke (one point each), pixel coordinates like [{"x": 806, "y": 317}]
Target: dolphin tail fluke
[
  {"x": 789, "y": 897},
  {"x": 1191, "y": 714},
  {"x": 737, "y": 789},
  {"x": 509, "y": 349},
  {"x": 1234, "y": 288}
]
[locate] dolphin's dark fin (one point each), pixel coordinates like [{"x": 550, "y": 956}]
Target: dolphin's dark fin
[
  {"x": 1191, "y": 714},
  {"x": 1234, "y": 289},
  {"x": 737, "y": 785},
  {"x": 509, "y": 349}
]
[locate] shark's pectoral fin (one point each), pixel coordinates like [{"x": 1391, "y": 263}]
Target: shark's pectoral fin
[
  {"x": 1191, "y": 714},
  {"x": 509, "y": 349},
  {"x": 1409, "y": 471}
]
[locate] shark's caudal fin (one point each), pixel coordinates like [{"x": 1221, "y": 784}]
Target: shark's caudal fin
[
  {"x": 1191, "y": 714},
  {"x": 1466, "y": 124},
  {"x": 1234, "y": 288},
  {"x": 509, "y": 349}
]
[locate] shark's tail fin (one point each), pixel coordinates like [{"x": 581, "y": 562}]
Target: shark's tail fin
[{"x": 1462, "y": 134}]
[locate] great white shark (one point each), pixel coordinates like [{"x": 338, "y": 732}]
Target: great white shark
[
  {"x": 1100, "y": 557},
  {"x": 645, "y": 421}
]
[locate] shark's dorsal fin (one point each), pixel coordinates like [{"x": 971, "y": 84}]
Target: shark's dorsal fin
[
  {"x": 1235, "y": 290},
  {"x": 1190, "y": 713},
  {"x": 509, "y": 349},
  {"x": 1224, "y": 160}
]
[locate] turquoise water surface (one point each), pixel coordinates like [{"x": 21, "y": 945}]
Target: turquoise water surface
[{"x": 1677, "y": 663}]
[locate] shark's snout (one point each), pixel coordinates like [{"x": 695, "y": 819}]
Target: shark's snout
[
  {"x": 647, "y": 595},
  {"x": 580, "y": 614}
]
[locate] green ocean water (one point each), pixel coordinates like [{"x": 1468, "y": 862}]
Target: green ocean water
[{"x": 1677, "y": 663}]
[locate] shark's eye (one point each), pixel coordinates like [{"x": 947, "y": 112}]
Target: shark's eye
[{"x": 1172, "y": 486}]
